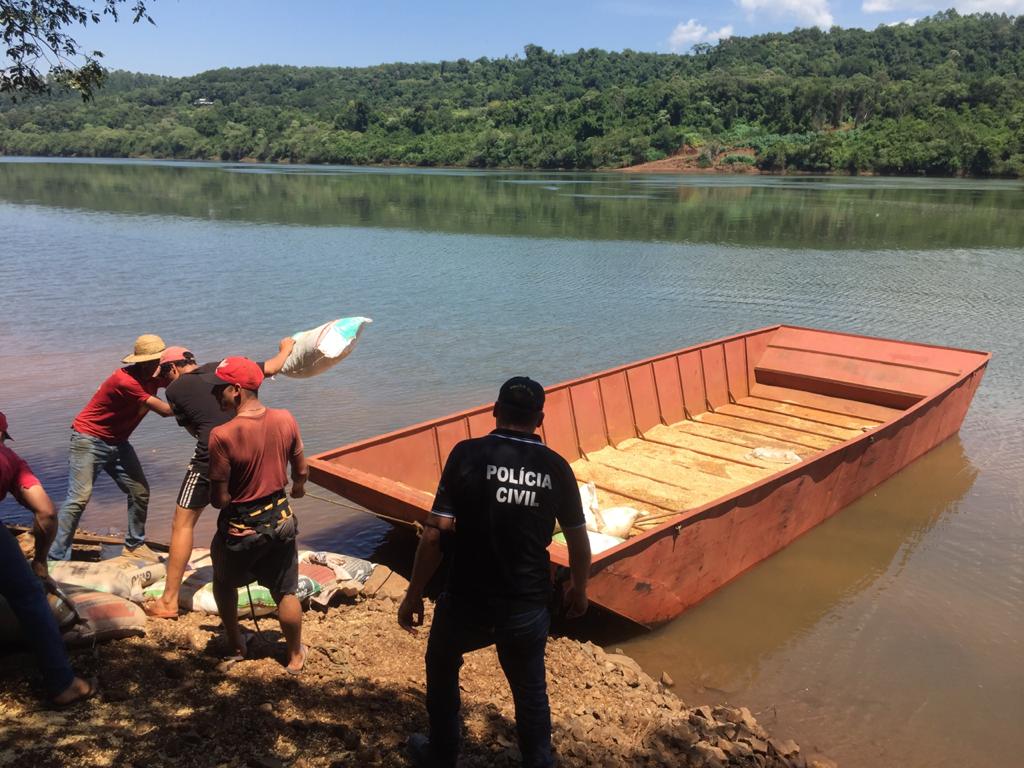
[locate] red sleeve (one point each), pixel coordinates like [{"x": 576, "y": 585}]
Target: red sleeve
[
  {"x": 25, "y": 478},
  {"x": 220, "y": 469},
  {"x": 132, "y": 389}
]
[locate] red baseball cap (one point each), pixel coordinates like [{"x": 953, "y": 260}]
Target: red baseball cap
[
  {"x": 240, "y": 371},
  {"x": 3, "y": 427},
  {"x": 174, "y": 355}
]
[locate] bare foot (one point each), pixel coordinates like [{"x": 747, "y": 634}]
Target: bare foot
[
  {"x": 79, "y": 690},
  {"x": 160, "y": 608},
  {"x": 296, "y": 662}
]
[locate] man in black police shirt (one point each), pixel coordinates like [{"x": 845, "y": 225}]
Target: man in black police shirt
[{"x": 495, "y": 510}]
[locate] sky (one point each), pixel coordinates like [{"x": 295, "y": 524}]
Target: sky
[{"x": 192, "y": 36}]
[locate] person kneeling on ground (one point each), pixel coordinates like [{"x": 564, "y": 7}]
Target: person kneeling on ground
[
  {"x": 256, "y": 530},
  {"x": 198, "y": 411},
  {"x": 498, "y": 500},
  {"x": 22, "y": 586}
]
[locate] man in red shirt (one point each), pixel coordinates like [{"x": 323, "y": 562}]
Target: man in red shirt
[
  {"x": 99, "y": 440},
  {"x": 256, "y": 530},
  {"x": 22, "y": 589}
]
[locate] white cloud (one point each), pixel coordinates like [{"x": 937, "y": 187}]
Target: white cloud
[
  {"x": 909, "y": 22},
  {"x": 816, "y": 12},
  {"x": 1012, "y": 7},
  {"x": 688, "y": 34},
  {"x": 990, "y": 6}
]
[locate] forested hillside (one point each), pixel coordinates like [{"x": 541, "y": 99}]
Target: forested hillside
[{"x": 942, "y": 96}]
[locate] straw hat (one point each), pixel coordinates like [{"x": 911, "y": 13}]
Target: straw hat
[{"x": 147, "y": 347}]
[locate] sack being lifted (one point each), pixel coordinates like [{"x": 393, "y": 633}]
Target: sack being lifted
[{"x": 323, "y": 347}]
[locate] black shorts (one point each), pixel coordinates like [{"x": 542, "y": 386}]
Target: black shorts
[
  {"x": 271, "y": 560},
  {"x": 195, "y": 488}
]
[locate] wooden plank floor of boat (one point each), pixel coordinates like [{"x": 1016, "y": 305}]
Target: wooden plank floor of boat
[{"x": 677, "y": 467}]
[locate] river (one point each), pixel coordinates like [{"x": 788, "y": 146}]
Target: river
[{"x": 890, "y": 635}]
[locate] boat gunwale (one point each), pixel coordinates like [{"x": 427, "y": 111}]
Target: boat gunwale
[
  {"x": 369, "y": 442},
  {"x": 714, "y": 508}
]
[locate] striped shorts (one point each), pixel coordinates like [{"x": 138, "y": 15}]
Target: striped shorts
[{"x": 195, "y": 488}]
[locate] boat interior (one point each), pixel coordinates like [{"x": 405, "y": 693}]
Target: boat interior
[{"x": 673, "y": 467}]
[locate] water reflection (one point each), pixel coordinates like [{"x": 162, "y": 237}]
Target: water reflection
[{"x": 797, "y": 213}]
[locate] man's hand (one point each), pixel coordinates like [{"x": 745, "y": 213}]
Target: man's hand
[
  {"x": 577, "y": 602},
  {"x": 410, "y": 613},
  {"x": 286, "y": 344},
  {"x": 39, "y": 569},
  {"x": 298, "y": 488}
]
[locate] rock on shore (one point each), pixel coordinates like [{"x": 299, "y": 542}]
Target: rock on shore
[{"x": 164, "y": 704}]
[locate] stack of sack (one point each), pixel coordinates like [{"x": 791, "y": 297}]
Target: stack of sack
[
  {"x": 93, "y": 601},
  {"x": 97, "y": 601},
  {"x": 321, "y": 576},
  {"x": 606, "y": 528}
]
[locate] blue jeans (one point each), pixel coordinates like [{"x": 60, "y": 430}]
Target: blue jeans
[
  {"x": 24, "y": 593},
  {"x": 459, "y": 628},
  {"x": 87, "y": 457}
]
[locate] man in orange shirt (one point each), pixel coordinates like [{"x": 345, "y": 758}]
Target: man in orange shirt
[{"x": 256, "y": 530}]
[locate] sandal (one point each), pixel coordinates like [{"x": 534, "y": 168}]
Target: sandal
[
  {"x": 297, "y": 672},
  {"x": 155, "y": 610},
  {"x": 92, "y": 690}
]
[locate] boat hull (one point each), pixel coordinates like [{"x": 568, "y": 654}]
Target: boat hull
[{"x": 857, "y": 409}]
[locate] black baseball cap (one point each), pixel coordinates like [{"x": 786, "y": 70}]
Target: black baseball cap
[{"x": 523, "y": 394}]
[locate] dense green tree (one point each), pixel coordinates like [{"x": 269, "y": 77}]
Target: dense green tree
[{"x": 942, "y": 96}]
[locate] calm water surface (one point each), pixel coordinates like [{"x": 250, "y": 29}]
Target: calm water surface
[{"x": 892, "y": 634}]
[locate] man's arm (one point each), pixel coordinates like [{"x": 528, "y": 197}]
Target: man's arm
[
  {"x": 574, "y": 526},
  {"x": 219, "y": 496},
  {"x": 428, "y": 558},
  {"x": 274, "y": 365},
  {"x": 158, "y": 406},
  {"x": 44, "y": 527},
  {"x": 578, "y": 542},
  {"x": 219, "y": 472},
  {"x": 300, "y": 471}
]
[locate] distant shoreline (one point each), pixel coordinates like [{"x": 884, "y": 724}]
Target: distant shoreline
[{"x": 665, "y": 166}]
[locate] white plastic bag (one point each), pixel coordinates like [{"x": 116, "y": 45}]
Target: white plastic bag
[
  {"x": 591, "y": 510},
  {"x": 618, "y": 520},
  {"x": 322, "y": 347},
  {"x": 777, "y": 455}
]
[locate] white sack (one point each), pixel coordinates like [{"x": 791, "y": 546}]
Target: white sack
[
  {"x": 618, "y": 521},
  {"x": 323, "y": 347},
  {"x": 591, "y": 510}
]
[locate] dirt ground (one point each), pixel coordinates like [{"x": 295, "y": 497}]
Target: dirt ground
[
  {"x": 163, "y": 703},
  {"x": 686, "y": 161}
]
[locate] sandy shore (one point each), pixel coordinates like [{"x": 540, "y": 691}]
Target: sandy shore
[{"x": 163, "y": 703}]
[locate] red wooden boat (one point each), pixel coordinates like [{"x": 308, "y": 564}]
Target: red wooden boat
[{"x": 692, "y": 439}]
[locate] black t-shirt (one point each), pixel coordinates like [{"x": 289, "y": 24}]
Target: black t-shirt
[
  {"x": 196, "y": 409},
  {"x": 505, "y": 492}
]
